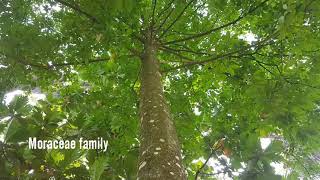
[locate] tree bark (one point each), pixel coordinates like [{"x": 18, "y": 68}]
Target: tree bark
[{"x": 160, "y": 153}]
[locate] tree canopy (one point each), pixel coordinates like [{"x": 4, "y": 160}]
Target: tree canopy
[{"x": 234, "y": 73}]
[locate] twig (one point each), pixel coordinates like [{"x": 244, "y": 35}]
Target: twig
[
  {"x": 213, "y": 151},
  {"x": 258, "y": 45},
  {"x": 165, "y": 8},
  {"x": 153, "y": 11},
  {"x": 286, "y": 79},
  {"x": 204, "y": 164},
  {"x": 181, "y": 13},
  {"x": 79, "y": 10},
  {"x": 213, "y": 174},
  {"x": 187, "y": 50},
  {"x": 165, "y": 19},
  {"x": 218, "y": 28},
  {"x": 48, "y": 67},
  {"x": 186, "y": 59}
]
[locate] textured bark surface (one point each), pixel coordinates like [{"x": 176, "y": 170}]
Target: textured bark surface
[{"x": 160, "y": 154}]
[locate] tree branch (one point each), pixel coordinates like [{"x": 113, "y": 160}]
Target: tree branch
[
  {"x": 165, "y": 19},
  {"x": 222, "y": 56},
  {"x": 288, "y": 80},
  {"x": 78, "y": 10},
  {"x": 251, "y": 10},
  {"x": 153, "y": 11},
  {"x": 204, "y": 164},
  {"x": 187, "y": 60},
  {"x": 261, "y": 65},
  {"x": 213, "y": 174},
  {"x": 218, "y": 145},
  {"x": 284, "y": 78},
  {"x": 181, "y": 13},
  {"x": 48, "y": 67},
  {"x": 80, "y": 63},
  {"x": 165, "y": 8},
  {"x": 241, "y": 51},
  {"x": 24, "y": 62},
  {"x": 301, "y": 163},
  {"x": 187, "y": 50}
]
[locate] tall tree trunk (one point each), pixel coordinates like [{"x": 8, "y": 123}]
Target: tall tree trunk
[{"x": 160, "y": 153}]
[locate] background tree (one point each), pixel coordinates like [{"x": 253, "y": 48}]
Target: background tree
[{"x": 217, "y": 75}]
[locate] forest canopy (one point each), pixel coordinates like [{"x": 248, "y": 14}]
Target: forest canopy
[{"x": 180, "y": 89}]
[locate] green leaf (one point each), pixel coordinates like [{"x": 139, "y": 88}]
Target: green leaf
[{"x": 97, "y": 168}]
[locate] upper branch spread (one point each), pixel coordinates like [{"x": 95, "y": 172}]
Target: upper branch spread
[{"x": 251, "y": 10}]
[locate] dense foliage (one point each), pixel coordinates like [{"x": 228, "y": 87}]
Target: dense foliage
[{"x": 233, "y": 72}]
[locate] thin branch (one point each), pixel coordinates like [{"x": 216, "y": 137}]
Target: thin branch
[
  {"x": 261, "y": 65},
  {"x": 241, "y": 51},
  {"x": 153, "y": 11},
  {"x": 186, "y": 59},
  {"x": 267, "y": 64},
  {"x": 48, "y": 67},
  {"x": 286, "y": 79},
  {"x": 181, "y": 13},
  {"x": 220, "y": 27},
  {"x": 165, "y": 8},
  {"x": 301, "y": 163},
  {"x": 165, "y": 19},
  {"x": 213, "y": 174},
  {"x": 79, "y": 10},
  {"x": 187, "y": 50},
  {"x": 180, "y": 33},
  {"x": 216, "y": 147},
  {"x": 134, "y": 35},
  {"x": 174, "y": 32},
  {"x": 204, "y": 164},
  {"x": 24, "y": 62},
  {"x": 80, "y": 63},
  {"x": 275, "y": 55}
]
